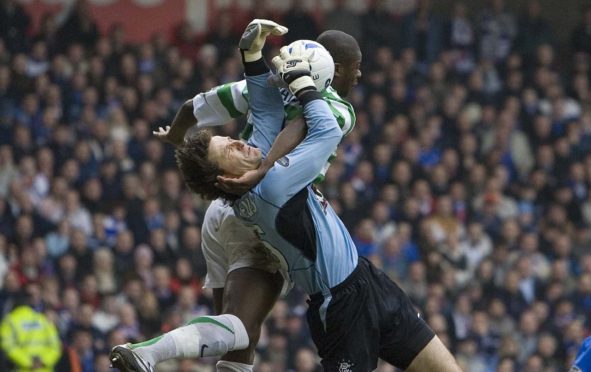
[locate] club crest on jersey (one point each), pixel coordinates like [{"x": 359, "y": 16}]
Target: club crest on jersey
[
  {"x": 247, "y": 207},
  {"x": 284, "y": 161},
  {"x": 346, "y": 366}
]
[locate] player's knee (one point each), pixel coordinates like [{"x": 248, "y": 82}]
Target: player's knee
[
  {"x": 252, "y": 327},
  {"x": 254, "y": 333},
  {"x": 434, "y": 357},
  {"x": 251, "y": 348},
  {"x": 251, "y": 322}
]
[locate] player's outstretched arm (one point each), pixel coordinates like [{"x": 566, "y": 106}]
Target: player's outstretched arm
[
  {"x": 183, "y": 120},
  {"x": 297, "y": 79},
  {"x": 266, "y": 103},
  {"x": 306, "y": 161}
]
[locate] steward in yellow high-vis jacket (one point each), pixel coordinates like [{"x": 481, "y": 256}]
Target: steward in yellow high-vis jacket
[{"x": 29, "y": 340}]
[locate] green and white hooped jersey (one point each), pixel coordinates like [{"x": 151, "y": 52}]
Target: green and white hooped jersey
[{"x": 223, "y": 103}]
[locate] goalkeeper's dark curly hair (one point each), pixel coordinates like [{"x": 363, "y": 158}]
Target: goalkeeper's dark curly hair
[{"x": 200, "y": 174}]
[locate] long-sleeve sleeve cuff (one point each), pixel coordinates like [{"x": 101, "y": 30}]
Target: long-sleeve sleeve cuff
[{"x": 255, "y": 68}]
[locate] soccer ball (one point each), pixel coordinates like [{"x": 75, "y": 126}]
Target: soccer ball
[{"x": 321, "y": 63}]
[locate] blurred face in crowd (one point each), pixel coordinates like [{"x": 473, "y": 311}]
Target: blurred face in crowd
[
  {"x": 534, "y": 363},
  {"x": 82, "y": 341},
  {"x": 116, "y": 337},
  {"x": 171, "y": 183},
  {"x": 366, "y": 230},
  {"x": 84, "y": 315},
  {"x": 127, "y": 314},
  {"x": 191, "y": 238},
  {"x": 103, "y": 260},
  {"x": 506, "y": 365},
  {"x": 102, "y": 363},
  {"x": 183, "y": 269},
  {"x": 305, "y": 360},
  {"x": 528, "y": 324},
  {"x": 401, "y": 173},
  {"x": 186, "y": 298},
  {"x": 24, "y": 227},
  {"x": 134, "y": 290},
  {"x": 124, "y": 242},
  {"x": 162, "y": 277},
  {"x": 149, "y": 305},
  {"x": 480, "y": 323},
  {"x": 547, "y": 345},
  {"x": 71, "y": 299},
  {"x": 158, "y": 240}
]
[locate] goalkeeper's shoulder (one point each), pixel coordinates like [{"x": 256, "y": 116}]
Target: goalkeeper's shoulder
[{"x": 342, "y": 109}]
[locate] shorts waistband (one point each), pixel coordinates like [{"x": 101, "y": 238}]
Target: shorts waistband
[{"x": 362, "y": 263}]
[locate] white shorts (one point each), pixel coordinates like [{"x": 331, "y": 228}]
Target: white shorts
[{"x": 228, "y": 244}]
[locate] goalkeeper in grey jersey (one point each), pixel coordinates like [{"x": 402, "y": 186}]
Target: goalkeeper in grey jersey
[
  {"x": 356, "y": 313},
  {"x": 245, "y": 278}
]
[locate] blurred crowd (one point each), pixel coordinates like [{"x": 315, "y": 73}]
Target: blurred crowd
[{"x": 467, "y": 178}]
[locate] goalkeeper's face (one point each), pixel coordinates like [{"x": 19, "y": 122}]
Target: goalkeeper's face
[{"x": 234, "y": 157}]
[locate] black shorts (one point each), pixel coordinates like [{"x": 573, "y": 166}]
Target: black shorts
[{"x": 368, "y": 317}]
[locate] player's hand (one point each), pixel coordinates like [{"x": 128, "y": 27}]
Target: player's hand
[
  {"x": 254, "y": 37},
  {"x": 239, "y": 186},
  {"x": 164, "y": 134},
  {"x": 294, "y": 69}
]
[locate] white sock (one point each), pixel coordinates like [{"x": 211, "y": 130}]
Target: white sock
[
  {"x": 225, "y": 366},
  {"x": 201, "y": 337}
]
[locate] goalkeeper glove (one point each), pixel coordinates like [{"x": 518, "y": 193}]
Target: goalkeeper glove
[
  {"x": 254, "y": 36},
  {"x": 294, "y": 70}
]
